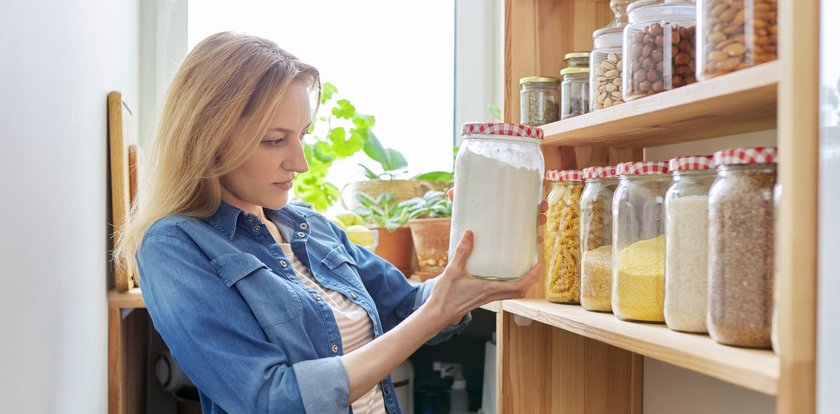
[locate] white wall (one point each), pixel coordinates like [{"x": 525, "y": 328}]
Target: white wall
[{"x": 59, "y": 60}]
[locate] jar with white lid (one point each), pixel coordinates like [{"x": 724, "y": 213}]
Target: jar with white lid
[
  {"x": 639, "y": 241},
  {"x": 596, "y": 238},
  {"x": 687, "y": 243},
  {"x": 605, "y": 61},
  {"x": 498, "y": 188}
]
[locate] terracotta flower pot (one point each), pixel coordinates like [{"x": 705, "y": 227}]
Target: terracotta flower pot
[
  {"x": 431, "y": 243},
  {"x": 396, "y": 248}
]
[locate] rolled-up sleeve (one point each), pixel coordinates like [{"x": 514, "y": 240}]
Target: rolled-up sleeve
[{"x": 220, "y": 345}]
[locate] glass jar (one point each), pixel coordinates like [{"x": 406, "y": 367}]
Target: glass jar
[
  {"x": 687, "y": 243},
  {"x": 741, "y": 247},
  {"x": 539, "y": 100},
  {"x": 658, "y": 47},
  {"x": 639, "y": 241},
  {"x": 605, "y": 60},
  {"x": 498, "y": 189},
  {"x": 596, "y": 238},
  {"x": 562, "y": 237},
  {"x": 735, "y": 34},
  {"x": 577, "y": 59},
  {"x": 575, "y": 92},
  {"x": 774, "y": 329}
]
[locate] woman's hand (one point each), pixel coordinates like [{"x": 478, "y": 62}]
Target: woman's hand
[{"x": 458, "y": 292}]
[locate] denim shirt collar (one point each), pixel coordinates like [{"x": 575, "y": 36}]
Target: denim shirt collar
[{"x": 288, "y": 219}]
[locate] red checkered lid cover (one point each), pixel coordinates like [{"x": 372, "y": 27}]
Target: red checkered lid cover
[
  {"x": 501, "y": 128},
  {"x": 551, "y": 175},
  {"x": 757, "y": 155},
  {"x": 642, "y": 167},
  {"x": 598, "y": 172},
  {"x": 692, "y": 163}
]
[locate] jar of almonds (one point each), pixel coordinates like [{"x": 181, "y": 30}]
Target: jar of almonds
[
  {"x": 735, "y": 34},
  {"x": 659, "y": 47},
  {"x": 605, "y": 61}
]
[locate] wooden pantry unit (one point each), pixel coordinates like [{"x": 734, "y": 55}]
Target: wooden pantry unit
[{"x": 561, "y": 358}]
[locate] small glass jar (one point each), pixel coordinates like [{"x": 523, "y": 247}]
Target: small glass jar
[
  {"x": 658, "y": 47},
  {"x": 639, "y": 241},
  {"x": 575, "y": 92},
  {"x": 735, "y": 34},
  {"x": 498, "y": 189},
  {"x": 605, "y": 60},
  {"x": 562, "y": 237},
  {"x": 741, "y": 246},
  {"x": 596, "y": 264},
  {"x": 577, "y": 59},
  {"x": 539, "y": 100},
  {"x": 687, "y": 243}
]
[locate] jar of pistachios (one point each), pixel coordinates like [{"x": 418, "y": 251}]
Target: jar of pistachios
[
  {"x": 539, "y": 100},
  {"x": 605, "y": 61}
]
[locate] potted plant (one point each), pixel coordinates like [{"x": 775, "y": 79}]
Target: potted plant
[
  {"x": 390, "y": 219},
  {"x": 430, "y": 219}
]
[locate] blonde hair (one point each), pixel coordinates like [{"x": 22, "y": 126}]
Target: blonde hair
[{"x": 217, "y": 109}]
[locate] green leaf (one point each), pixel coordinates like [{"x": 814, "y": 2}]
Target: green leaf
[
  {"x": 344, "y": 109},
  {"x": 368, "y": 172},
  {"x": 327, "y": 91},
  {"x": 395, "y": 160},
  {"x": 323, "y": 152},
  {"x": 443, "y": 176},
  {"x": 336, "y": 135},
  {"x": 374, "y": 149},
  {"x": 496, "y": 112}
]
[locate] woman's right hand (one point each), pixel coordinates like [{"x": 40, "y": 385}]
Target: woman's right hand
[{"x": 458, "y": 292}]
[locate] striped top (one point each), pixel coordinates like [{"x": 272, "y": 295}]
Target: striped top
[{"x": 354, "y": 325}]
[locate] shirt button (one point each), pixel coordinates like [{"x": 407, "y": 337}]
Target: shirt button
[
  {"x": 334, "y": 348},
  {"x": 303, "y": 226},
  {"x": 387, "y": 389},
  {"x": 301, "y": 234},
  {"x": 315, "y": 296},
  {"x": 283, "y": 263},
  {"x": 255, "y": 229},
  {"x": 251, "y": 220},
  {"x": 353, "y": 295}
]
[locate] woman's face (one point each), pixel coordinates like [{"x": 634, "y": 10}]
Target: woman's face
[{"x": 265, "y": 178}]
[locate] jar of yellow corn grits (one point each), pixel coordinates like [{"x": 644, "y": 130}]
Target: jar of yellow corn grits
[{"x": 639, "y": 241}]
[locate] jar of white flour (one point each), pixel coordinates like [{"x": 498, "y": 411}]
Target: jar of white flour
[{"x": 498, "y": 188}]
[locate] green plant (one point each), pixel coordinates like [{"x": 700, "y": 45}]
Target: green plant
[
  {"x": 433, "y": 204},
  {"x": 340, "y": 133},
  {"x": 382, "y": 211}
]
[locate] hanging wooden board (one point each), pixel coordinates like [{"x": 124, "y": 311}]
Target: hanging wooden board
[{"x": 120, "y": 140}]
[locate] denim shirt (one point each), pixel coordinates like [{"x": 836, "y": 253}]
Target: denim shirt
[{"x": 242, "y": 326}]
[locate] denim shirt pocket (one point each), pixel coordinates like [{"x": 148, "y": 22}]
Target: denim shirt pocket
[
  {"x": 339, "y": 262},
  {"x": 270, "y": 297}
]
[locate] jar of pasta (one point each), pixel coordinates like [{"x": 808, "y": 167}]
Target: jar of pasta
[{"x": 562, "y": 239}]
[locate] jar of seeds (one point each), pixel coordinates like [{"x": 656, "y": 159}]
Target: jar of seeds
[
  {"x": 741, "y": 246},
  {"x": 639, "y": 241},
  {"x": 605, "y": 61},
  {"x": 658, "y": 47},
  {"x": 596, "y": 238},
  {"x": 687, "y": 243},
  {"x": 539, "y": 100},
  {"x": 575, "y": 92},
  {"x": 562, "y": 237},
  {"x": 735, "y": 34}
]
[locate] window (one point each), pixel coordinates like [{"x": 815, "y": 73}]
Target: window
[{"x": 392, "y": 60}]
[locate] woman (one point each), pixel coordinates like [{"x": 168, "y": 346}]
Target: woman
[{"x": 268, "y": 307}]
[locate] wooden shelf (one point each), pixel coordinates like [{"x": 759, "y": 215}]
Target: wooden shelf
[
  {"x": 131, "y": 299},
  {"x": 495, "y": 306},
  {"x": 754, "y": 369},
  {"x": 739, "y": 102}
]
